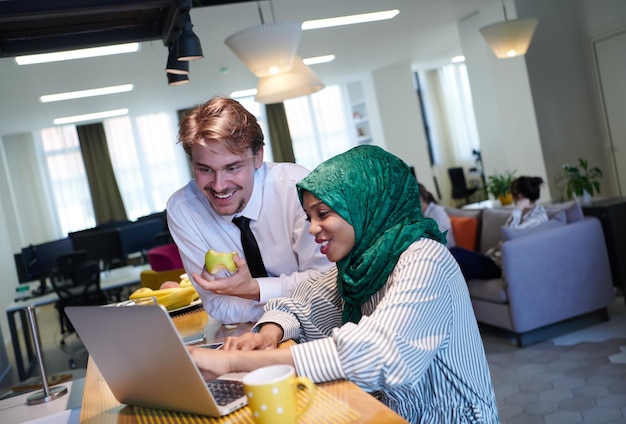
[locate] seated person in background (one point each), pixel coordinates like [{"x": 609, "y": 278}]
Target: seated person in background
[
  {"x": 394, "y": 316},
  {"x": 431, "y": 209},
  {"x": 225, "y": 145},
  {"x": 526, "y": 214}
]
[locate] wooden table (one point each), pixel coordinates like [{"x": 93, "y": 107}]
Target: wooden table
[{"x": 344, "y": 398}]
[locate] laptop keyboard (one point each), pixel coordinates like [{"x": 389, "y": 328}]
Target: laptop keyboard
[{"x": 226, "y": 391}]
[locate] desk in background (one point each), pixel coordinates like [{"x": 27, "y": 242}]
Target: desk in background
[{"x": 110, "y": 280}]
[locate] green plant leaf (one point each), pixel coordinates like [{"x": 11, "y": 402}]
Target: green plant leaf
[{"x": 579, "y": 178}]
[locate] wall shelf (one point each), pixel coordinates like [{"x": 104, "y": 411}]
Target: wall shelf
[{"x": 358, "y": 109}]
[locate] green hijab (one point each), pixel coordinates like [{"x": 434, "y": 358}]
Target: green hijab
[{"x": 375, "y": 192}]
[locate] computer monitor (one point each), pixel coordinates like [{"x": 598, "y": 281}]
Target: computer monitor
[
  {"x": 20, "y": 267},
  {"x": 140, "y": 236},
  {"x": 101, "y": 245},
  {"x": 40, "y": 260}
]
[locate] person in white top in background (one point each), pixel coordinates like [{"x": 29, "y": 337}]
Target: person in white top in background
[
  {"x": 432, "y": 209},
  {"x": 526, "y": 214},
  {"x": 225, "y": 145}
]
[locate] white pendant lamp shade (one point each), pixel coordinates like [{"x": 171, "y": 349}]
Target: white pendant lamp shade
[
  {"x": 299, "y": 81},
  {"x": 267, "y": 49},
  {"x": 510, "y": 38}
]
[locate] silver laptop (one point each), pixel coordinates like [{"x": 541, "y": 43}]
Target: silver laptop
[{"x": 145, "y": 362}]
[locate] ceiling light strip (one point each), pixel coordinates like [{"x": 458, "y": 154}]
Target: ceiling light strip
[
  {"x": 318, "y": 59},
  {"x": 350, "y": 19},
  {"x": 77, "y": 54},
  {"x": 91, "y": 116},
  {"x": 86, "y": 93},
  {"x": 243, "y": 93}
]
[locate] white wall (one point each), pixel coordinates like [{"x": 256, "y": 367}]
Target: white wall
[
  {"x": 401, "y": 118},
  {"x": 504, "y": 109},
  {"x": 540, "y": 111},
  {"x": 20, "y": 218}
]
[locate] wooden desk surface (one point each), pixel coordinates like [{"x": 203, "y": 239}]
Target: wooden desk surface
[{"x": 100, "y": 406}]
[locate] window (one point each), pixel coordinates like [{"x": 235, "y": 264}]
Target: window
[
  {"x": 450, "y": 114},
  {"x": 148, "y": 163},
  {"x": 258, "y": 110},
  {"x": 319, "y": 125},
  {"x": 67, "y": 178}
]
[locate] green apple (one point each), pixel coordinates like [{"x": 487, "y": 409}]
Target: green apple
[{"x": 216, "y": 261}]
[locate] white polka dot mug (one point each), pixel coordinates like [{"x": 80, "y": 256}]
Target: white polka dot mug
[{"x": 272, "y": 394}]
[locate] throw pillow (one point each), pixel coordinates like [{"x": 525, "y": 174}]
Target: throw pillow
[
  {"x": 465, "y": 229},
  {"x": 561, "y": 216},
  {"x": 493, "y": 221},
  {"x": 573, "y": 211},
  {"x": 513, "y": 233}
]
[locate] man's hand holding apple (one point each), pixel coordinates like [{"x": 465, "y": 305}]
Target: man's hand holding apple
[{"x": 240, "y": 284}]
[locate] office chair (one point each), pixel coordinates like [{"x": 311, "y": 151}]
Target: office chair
[
  {"x": 164, "y": 257},
  {"x": 460, "y": 190},
  {"x": 66, "y": 265},
  {"x": 78, "y": 287}
]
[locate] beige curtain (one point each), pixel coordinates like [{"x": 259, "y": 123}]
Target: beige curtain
[
  {"x": 282, "y": 149},
  {"x": 107, "y": 200}
]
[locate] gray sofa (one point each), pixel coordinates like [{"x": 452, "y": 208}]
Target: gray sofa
[{"x": 551, "y": 273}]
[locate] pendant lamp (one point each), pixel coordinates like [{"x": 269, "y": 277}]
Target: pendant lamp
[
  {"x": 189, "y": 47},
  {"x": 175, "y": 66},
  {"x": 267, "y": 49},
  {"x": 510, "y": 38},
  {"x": 177, "y": 79},
  {"x": 297, "y": 82}
]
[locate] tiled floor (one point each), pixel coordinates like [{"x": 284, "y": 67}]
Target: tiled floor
[{"x": 574, "y": 372}]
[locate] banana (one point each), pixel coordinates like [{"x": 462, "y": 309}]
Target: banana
[
  {"x": 185, "y": 282},
  {"x": 172, "y": 298}
]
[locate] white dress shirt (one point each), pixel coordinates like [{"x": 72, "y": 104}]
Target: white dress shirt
[{"x": 279, "y": 224}]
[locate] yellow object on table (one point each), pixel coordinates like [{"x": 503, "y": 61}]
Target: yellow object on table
[{"x": 153, "y": 279}]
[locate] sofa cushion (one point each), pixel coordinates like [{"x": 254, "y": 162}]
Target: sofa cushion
[
  {"x": 472, "y": 213},
  {"x": 513, "y": 233},
  {"x": 492, "y": 223},
  {"x": 465, "y": 231},
  {"x": 573, "y": 211},
  {"x": 490, "y": 290}
]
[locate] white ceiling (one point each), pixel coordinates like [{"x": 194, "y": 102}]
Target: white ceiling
[{"x": 423, "y": 34}]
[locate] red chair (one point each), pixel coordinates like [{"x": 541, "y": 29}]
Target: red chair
[{"x": 165, "y": 258}]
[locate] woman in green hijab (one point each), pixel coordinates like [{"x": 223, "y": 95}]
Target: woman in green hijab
[{"x": 394, "y": 316}]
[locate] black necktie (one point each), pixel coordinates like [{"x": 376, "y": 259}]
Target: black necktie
[{"x": 250, "y": 247}]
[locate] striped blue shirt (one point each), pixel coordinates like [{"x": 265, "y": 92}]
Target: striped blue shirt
[{"x": 417, "y": 347}]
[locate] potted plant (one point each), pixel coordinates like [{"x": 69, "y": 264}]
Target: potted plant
[
  {"x": 499, "y": 186},
  {"x": 580, "y": 179}
]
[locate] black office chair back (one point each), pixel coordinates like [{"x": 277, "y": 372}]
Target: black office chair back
[
  {"x": 69, "y": 262},
  {"x": 80, "y": 289},
  {"x": 460, "y": 190},
  {"x": 83, "y": 288}
]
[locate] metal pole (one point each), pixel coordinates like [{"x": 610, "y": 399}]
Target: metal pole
[{"x": 47, "y": 394}]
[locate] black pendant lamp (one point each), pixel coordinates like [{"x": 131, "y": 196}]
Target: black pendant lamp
[{"x": 189, "y": 47}]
